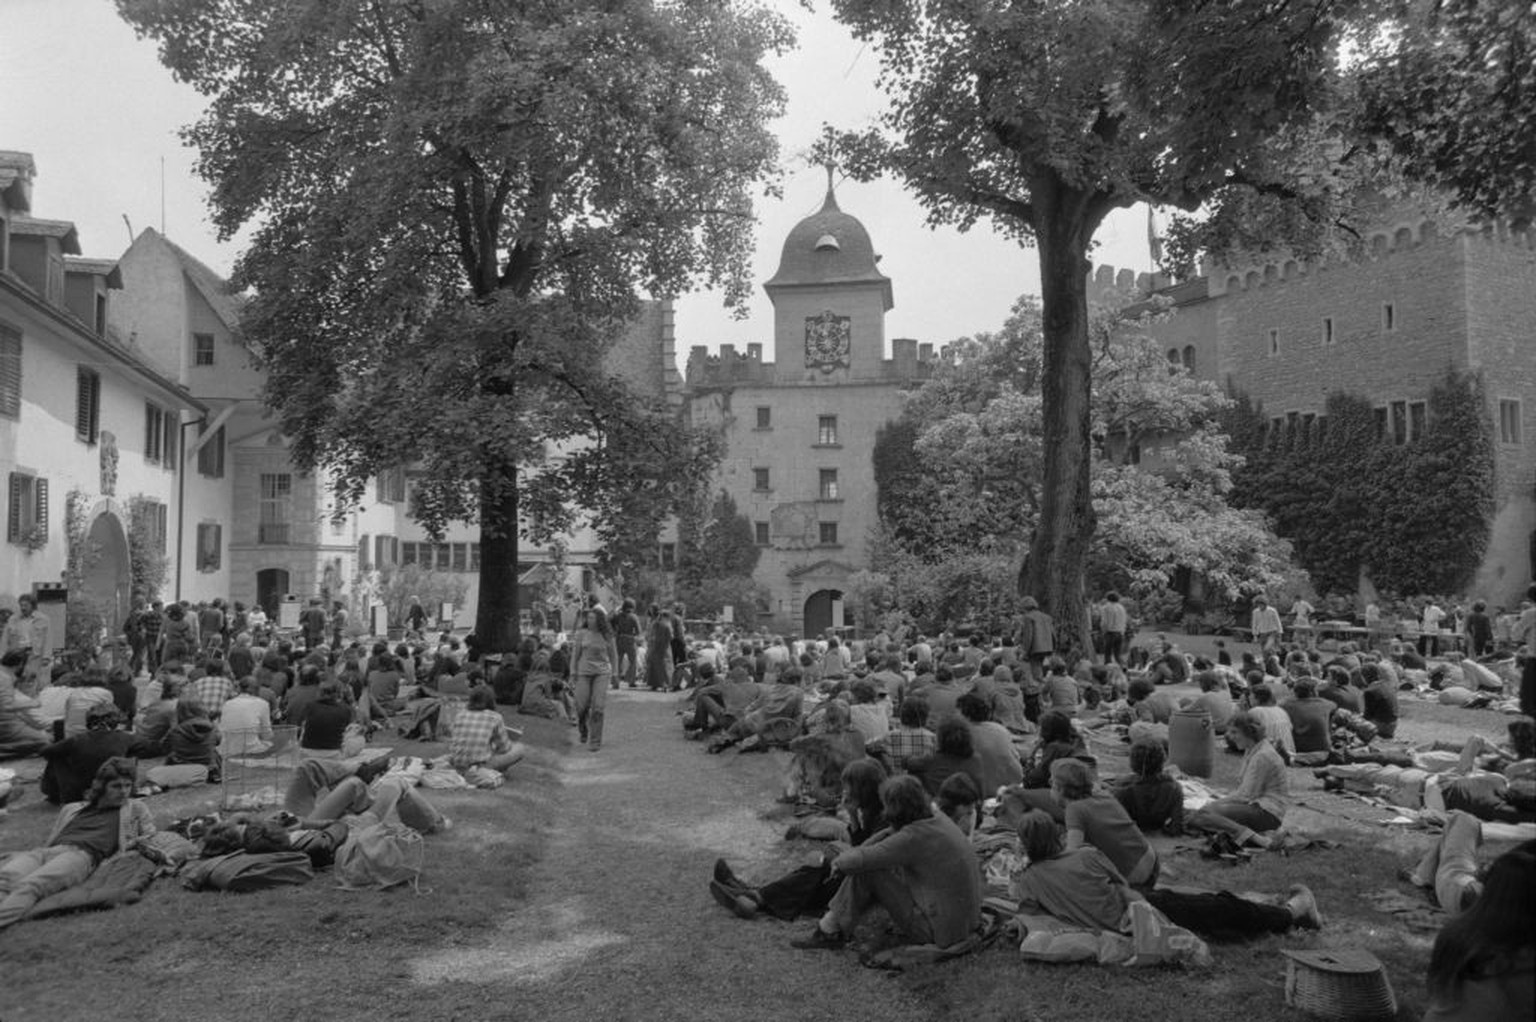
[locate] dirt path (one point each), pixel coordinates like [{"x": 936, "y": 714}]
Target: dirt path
[{"x": 620, "y": 924}]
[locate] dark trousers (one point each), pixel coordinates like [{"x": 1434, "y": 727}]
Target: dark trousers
[
  {"x": 1528, "y": 686},
  {"x": 1221, "y": 916},
  {"x": 626, "y": 665},
  {"x": 1114, "y": 646},
  {"x": 709, "y": 711},
  {"x": 806, "y": 891}
]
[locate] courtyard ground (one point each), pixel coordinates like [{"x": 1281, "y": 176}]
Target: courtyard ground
[{"x": 578, "y": 891}]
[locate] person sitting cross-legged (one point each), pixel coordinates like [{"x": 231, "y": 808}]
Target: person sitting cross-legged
[
  {"x": 922, "y": 872},
  {"x": 481, "y": 736},
  {"x": 1252, "y": 812}
]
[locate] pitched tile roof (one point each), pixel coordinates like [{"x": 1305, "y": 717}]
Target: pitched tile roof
[{"x": 215, "y": 289}]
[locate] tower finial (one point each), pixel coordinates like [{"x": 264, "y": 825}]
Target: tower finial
[{"x": 831, "y": 200}]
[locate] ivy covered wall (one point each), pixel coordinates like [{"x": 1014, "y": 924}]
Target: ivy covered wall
[{"x": 1413, "y": 517}]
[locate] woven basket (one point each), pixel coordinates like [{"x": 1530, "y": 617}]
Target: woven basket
[{"x": 1339, "y": 984}]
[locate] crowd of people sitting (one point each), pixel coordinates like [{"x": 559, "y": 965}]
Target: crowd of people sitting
[
  {"x": 954, "y": 783},
  {"x": 99, "y": 726}
]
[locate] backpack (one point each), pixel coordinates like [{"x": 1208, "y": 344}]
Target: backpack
[{"x": 378, "y": 856}]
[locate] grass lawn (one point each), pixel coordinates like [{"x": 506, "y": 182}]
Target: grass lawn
[{"x": 578, "y": 892}]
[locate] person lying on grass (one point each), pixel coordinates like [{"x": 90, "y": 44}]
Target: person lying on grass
[
  {"x": 922, "y": 872},
  {"x": 1081, "y": 887},
  {"x": 779, "y": 706},
  {"x": 84, "y": 835},
  {"x": 808, "y": 890},
  {"x": 1483, "y": 965}
]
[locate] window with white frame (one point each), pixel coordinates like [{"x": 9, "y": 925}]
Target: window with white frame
[
  {"x": 826, "y": 430},
  {"x": 828, "y": 489},
  {"x": 274, "y": 508},
  {"x": 202, "y": 349}
]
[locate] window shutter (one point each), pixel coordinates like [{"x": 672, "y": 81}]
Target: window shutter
[
  {"x": 40, "y": 503},
  {"x": 13, "y": 523},
  {"x": 10, "y": 371},
  {"x": 172, "y": 426},
  {"x": 83, "y": 405},
  {"x": 363, "y": 563}
]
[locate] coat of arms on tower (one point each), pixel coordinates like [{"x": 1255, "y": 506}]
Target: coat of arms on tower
[{"x": 827, "y": 341}]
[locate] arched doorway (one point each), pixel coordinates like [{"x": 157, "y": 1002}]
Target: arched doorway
[
  {"x": 107, "y": 581},
  {"x": 825, "y": 609},
  {"x": 271, "y": 587}
]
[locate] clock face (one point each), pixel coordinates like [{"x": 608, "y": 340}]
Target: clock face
[{"x": 827, "y": 341}]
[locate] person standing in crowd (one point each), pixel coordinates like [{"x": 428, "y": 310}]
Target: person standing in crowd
[
  {"x": 28, "y": 632},
  {"x": 1113, "y": 620},
  {"x": 594, "y": 654},
  {"x": 626, "y": 637},
  {"x": 1429, "y": 628},
  {"x": 658, "y": 650},
  {"x": 133, "y": 628},
  {"x": 679, "y": 647},
  {"x": 152, "y": 624},
  {"x": 1037, "y": 641},
  {"x": 416, "y": 616},
  {"x": 1301, "y": 620},
  {"x": 1265, "y": 625},
  {"x": 338, "y": 623},
  {"x": 210, "y": 622},
  {"x": 313, "y": 622}
]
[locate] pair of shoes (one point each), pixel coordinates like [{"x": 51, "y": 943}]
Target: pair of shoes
[
  {"x": 725, "y": 875},
  {"x": 1303, "y": 905},
  {"x": 743, "y": 906},
  {"x": 820, "y": 940}
]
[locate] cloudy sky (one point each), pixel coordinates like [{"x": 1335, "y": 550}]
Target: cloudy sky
[{"x": 98, "y": 112}]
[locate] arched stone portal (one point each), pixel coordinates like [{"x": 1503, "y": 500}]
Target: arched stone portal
[
  {"x": 107, "y": 582},
  {"x": 825, "y": 609}
]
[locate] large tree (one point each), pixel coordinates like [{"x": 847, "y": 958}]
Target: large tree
[
  {"x": 457, "y": 205},
  {"x": 962, "y": 494},
  {"x": 1045, "y": 115}
]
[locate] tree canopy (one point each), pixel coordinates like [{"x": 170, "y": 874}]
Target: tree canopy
[
  {"x": 1044, "y": 116},
  {"x": 457, "y": 206},
  {"x": 959, "y": 476}
]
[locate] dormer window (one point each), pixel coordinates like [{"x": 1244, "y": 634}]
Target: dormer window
[{"x": 827, "y": 243}]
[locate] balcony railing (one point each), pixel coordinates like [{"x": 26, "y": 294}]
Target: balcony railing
[{"x": 272, "y": 532}]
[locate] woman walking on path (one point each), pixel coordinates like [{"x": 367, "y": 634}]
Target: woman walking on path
[{"x": 594, "y": 655}]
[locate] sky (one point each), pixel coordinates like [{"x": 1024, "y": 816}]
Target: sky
[{"x": 99, "y": 114}]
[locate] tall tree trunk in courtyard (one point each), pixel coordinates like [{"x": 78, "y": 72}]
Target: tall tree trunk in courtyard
[
  {"x": 497, "y": 624},
  {"x": 1053, "y": 573}
]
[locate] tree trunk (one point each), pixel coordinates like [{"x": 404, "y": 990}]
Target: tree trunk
[
  {"x": 496, "y": 616},
  {"x": 1054, "y": 570}
]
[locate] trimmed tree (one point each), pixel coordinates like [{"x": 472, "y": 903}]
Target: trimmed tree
[
  {"x": 1044, "y": 117},
  {"x": 456, "y": 207}
]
